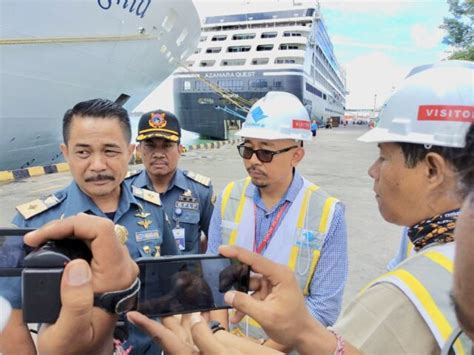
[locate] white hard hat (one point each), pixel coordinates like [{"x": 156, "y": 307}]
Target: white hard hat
[
  {"x": 434, "y": 106},
  {"x": 277, "y": 115}
]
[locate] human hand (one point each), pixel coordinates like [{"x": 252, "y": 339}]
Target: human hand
[
  {"x": 173, "y": 333},
  {"x": 191, "y": 335},
  {"x": 277, "y": 303},
  {"x": 78, "y": 329},
  {"x": 112, "y": 267},
  {"x": 82, "y": 328}
]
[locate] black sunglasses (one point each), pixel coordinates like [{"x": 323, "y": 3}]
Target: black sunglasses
[{"x": 265, "y": 156}]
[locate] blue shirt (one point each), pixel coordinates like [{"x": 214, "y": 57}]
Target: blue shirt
[
  {"x": 327, "y": 285},
  {"x": 195, "y": 216},
  {"x": 141, "y": 241},
  {"x": 402, "y": 251}
]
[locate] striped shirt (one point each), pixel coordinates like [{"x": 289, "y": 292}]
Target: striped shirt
[{"x": 327, "y": 286}]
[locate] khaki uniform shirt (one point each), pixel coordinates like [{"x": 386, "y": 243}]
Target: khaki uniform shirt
[{"x": 382, "y": 320}]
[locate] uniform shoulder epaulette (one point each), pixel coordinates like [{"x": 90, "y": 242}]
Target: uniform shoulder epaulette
[
  {"x": 132, "y": 173},
  {"x": 203, "y": 180},
  {"x": 147, "y": 195},
  {"x": 35, "y": 207}
]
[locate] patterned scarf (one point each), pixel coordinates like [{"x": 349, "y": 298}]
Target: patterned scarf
[{"x": 438, "y": 229}]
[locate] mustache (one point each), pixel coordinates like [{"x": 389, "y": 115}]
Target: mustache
[
  {"x": 255, "y": 169},
  {"x": 159, "y": 160},
  {"x": 100, "y": 177}
]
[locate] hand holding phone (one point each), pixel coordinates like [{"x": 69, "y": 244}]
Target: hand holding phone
[{"x": 184, "y": 284}]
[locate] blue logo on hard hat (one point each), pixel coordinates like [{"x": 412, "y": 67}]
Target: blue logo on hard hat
[{"x": 258, "y": 114}]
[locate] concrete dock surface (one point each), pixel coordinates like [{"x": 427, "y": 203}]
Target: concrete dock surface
[{"x": 335, "y": 160}]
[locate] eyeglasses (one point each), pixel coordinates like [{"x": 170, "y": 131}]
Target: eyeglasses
[{"x": 265, "y": 156}]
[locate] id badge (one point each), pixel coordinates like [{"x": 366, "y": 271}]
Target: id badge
[{"x": 178, "y": 234}]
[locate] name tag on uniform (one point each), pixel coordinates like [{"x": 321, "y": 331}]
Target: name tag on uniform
[
  {"x": 148, "y": 235},
  {"x": 179, "y": 237},
  {"x": 187, "y": 205}
]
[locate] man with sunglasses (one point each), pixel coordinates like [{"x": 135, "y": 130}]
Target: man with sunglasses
[{"x": 279, "y": 214}]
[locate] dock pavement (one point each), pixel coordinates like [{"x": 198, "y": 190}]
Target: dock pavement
[{"x": 335, "y": 160}]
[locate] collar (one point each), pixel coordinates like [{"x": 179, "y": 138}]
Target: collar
[
  {"x": 290, "y": 195},
  {"x": 178, "y": 180},
  {"x": 78, "y": 202}
]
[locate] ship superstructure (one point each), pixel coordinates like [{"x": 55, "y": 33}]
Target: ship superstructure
[{"x": 249, "y": 54}]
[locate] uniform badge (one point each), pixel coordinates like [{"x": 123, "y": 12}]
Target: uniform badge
[
  {"x": 157, "y": 120},
  {"x": 148, "y": 235},
  {"x": 142, "y": 214},
  {"x": 145, "y": 223},
  {"x": 122, "y": 233}
]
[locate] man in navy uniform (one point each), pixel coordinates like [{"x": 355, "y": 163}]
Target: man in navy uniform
[
  {"x": 97, "y": 147},
  {"x": 186, "y": 196}
]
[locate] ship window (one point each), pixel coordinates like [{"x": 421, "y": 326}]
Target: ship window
[
  {"x": 284, "y": 24},
  {"x": 231, "y": 84},
  {"x": 277, "y": 84},
  {"x": 219, "y": 38},
  {"x": 290, "y": 46},
  {"x": 289, "y": 60},
  {"x": 264, "y": 47},
  {"x": 207, "y": 63},
  {"x": 203, "y": 38},
  {"x": 258, "y": 84},
  {"x": 243, "y": 36},
  {"x": 268, "y": 35},
  {"x": 205, "y": 101},
  {"x": 292, "y": 34},
  {"x": 260, "y": 61},
  {"x": 201, "y": 86},
  {"x": 187, "y": 85},
  {"x": 214, "y": 50},
  {"x": 230, "y": 27},
  {"x": 238, "y": 49},
  {"x": 197, "y": 51},
  {"x": 169, "y": 21},
  {"x": 313, "y": 90},
  {"x": 229, "y": 62}
]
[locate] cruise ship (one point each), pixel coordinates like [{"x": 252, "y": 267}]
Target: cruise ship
[
  {"x": 55, "y": 53},
  {"x": 242, "y": 56}
]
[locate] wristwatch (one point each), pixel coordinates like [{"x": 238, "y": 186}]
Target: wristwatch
[
  {"x": 119, "y": 302},
  {"x": 215, "y": 326}
]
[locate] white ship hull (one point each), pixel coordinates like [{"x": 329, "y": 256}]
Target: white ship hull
[{"x": 55, "y": 53}]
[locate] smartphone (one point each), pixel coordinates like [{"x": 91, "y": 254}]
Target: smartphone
[
  {"x": 12, "y": 251},
  {"x": 192, "y": 283}
]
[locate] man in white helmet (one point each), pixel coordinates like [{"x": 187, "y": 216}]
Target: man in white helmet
[
  {"x": 421, "y": 135},
  {"x": 278, "y": 213}
]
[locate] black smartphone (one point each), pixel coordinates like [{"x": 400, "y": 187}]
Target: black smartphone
[
  {"x": 184, "y": 284},
  {"x": 12, "y": 251}
]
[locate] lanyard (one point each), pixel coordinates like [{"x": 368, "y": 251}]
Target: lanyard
[{"x": 258, "y": 249}]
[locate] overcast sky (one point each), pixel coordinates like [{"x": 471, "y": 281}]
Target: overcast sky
[{"x": 376, "y": 41}]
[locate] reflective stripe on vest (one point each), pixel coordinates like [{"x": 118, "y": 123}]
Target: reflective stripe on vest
[
  {"x": 426, "y": 280},
  {"x": 297, "y": 242}
]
